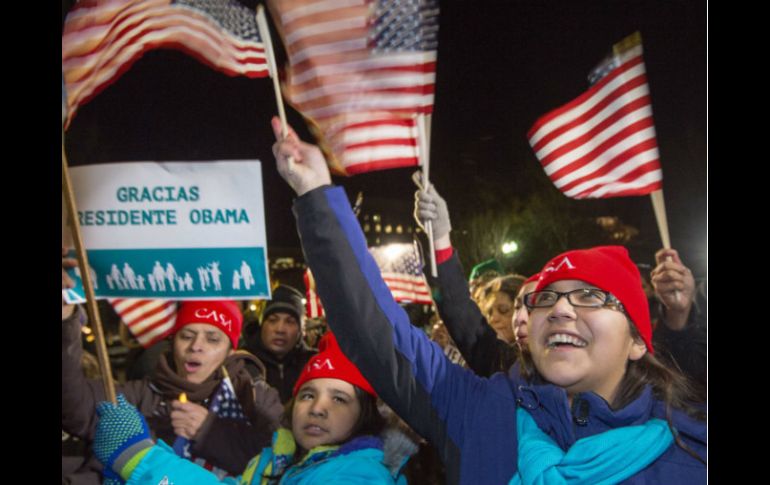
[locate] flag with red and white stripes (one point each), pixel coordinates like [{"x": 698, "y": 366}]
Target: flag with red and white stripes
[
  {"x": 149, "y": 321},
  {"x": 103, "y": 38},
  {"x": 603, "y": 143},
  {"x": 401, "y": 268},
  {"x": 313, "y": 307},
  {"x": 360, "y": 71}
]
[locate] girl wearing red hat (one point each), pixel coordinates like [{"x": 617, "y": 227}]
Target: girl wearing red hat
[
  {"x": 592, "y": 406},
  {"x": 228, "y": 415},
  {"x": 331, "y": 436}
]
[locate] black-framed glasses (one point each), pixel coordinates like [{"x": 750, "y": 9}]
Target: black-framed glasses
[{"x": 582, "y": 298}]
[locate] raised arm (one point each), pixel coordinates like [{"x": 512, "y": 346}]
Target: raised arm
[
  {"x": 409, "y": 372},
  {"x": 474, "y": 337}
]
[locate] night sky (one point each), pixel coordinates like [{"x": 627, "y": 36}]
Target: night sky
[{"x": 501, "y": 65}]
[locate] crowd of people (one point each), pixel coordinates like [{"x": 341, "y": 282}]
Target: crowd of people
[{"x": 569, "y": 375}]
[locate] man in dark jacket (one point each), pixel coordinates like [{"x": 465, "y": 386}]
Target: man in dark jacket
[{"x": 277, "y": 341}]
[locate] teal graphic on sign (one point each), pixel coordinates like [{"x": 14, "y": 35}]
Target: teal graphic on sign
[{"x": 181, "y": 273}]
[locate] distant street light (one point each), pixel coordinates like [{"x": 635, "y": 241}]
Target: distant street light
[{"x": 510, "y": 247}]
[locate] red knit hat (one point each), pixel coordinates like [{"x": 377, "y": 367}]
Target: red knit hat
[
  {"x": 224, "y": 314},
  {"x": 331, "y": 363},
  {"x": 610, "y": 269}
]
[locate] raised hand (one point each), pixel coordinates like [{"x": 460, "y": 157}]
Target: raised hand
[
  {"x": 674, "y": 286},
  {"x": 308, "y": 169},
  {"x": 430, "y": 206}
]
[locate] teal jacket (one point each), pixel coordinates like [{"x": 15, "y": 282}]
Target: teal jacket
[{"x": 359, "y": 461}]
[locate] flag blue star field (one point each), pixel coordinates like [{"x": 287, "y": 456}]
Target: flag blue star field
[
  {"x": 224, "y": 403},
  {"x": 103, "y": 38},
  {"x": 359, "y": 71}
]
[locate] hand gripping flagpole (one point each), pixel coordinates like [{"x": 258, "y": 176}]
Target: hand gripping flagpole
[
  {"x": 423, "y": 138},
  {"x": 659, "y": 206},
  {"x": 264, "y": 34},
  {"x": 85, "y": 274}
]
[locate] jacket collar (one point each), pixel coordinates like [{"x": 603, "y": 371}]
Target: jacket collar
[{"x": 589, "y": 414}]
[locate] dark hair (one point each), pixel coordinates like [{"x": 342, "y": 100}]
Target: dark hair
[
  {"x": 369, "y": 422},
  {"x": 668, "y": 385},
  {"x": 508, "y": 284}
]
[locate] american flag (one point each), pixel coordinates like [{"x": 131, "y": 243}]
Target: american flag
[
  {"x": 313, "y": 307},
  {"x": 603, "y": 143},
  {"x": 149, "y": 321},
  {"x": 103, "y": 38},
  {"x": 360, "y": 71},
  {"x": 400, "y": 266}
]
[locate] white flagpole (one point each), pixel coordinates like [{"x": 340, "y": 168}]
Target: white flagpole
[
  {"x": 423, "y": 138},
  {"x": 264, "y": 34}
]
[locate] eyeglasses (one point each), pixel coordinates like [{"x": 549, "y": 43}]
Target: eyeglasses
[{"x": 582, "y": 298}]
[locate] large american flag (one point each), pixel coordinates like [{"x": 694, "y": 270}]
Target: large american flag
[
  {"x": 401, "y": 269},
  {"x": 603, "y": 143},
  {"x": 103, "y": 38},
  {"x": 149, "y": 321},
  {"x": 360, "y": 71}
]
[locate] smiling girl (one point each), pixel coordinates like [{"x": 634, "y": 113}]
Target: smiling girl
[{"x": 593, "y": 406}]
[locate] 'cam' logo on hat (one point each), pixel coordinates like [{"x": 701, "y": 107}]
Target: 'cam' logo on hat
[
  {"x": 320, "y": 364},
  {"x": 207, "y": 314},
  {"x": 558, "y": 266}
]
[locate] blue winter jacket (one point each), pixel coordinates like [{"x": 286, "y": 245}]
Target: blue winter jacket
[
  {"x": 469, "y": 419},
  {"x": 358, "y": 461}
]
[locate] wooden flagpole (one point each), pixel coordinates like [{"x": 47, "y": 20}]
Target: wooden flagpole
[
  {"x": 423, "y": 138},
  {"x": 93, "y": 310},
  {"x": 659, "y": 206},
  {"x": 272, "y": 69}
]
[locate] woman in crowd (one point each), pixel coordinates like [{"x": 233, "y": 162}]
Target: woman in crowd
[{"x": 228, "y": 416}]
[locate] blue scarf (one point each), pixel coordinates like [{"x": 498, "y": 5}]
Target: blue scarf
[{"x": 605, "y": 458}]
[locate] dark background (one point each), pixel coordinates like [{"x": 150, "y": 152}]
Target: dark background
[{"x": 501, "y": 65}]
